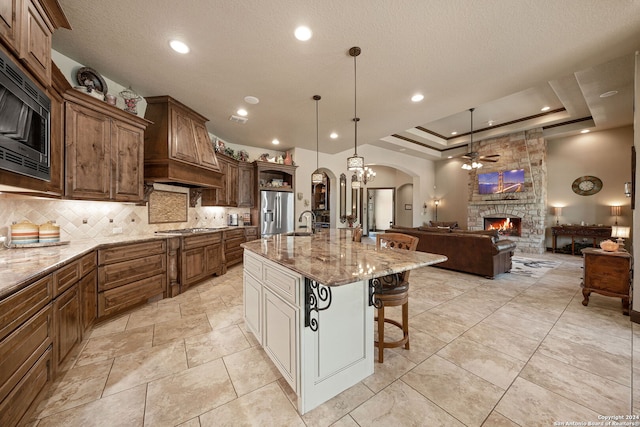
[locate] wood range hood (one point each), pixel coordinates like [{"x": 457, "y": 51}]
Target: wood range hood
[{"x": 177, "y": 147}]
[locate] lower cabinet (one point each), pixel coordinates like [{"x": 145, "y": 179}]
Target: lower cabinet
[
  {"x": 66, "y": 324},
  {"x": 130, "y": 274},
  {"x": 232, "y": 249},
  {"x": 201, "y": 258},
  {"x": 279, "y": 335},
  {"x": 252, "y": 299}
]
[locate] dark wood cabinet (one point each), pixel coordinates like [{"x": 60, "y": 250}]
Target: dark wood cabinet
[
  {"x": 607, "y": 273},
  {"x": 233, "y": 252},
  {"x": 130, "y": 274},
  {"x": 201, "y": 258},
  {"x": 237, "y": 188},
  {"x": 11, "y": 23},
  {"x": 104, "y": 151},
  {"x": 66, "y": 324}
]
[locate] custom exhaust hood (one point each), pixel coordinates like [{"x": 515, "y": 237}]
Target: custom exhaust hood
[{"x": 177, "y": 147}]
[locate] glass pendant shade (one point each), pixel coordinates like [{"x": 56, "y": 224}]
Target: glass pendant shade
[
  {"x": 355, "y": 184},
  {"x": 317, "y": 177},
  {"x": 355, "y": 163}
]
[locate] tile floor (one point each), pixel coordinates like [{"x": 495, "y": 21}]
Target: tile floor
[{"x": 514, "y": 351}]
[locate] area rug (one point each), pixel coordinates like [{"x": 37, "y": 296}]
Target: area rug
[{"x": 534, "y": 268}]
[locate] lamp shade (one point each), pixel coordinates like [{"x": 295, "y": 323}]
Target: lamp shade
[
  {"x": 619, "y": 231},
  {"x": 556, "y": 211},
  {"x": 616, "y": 210}
]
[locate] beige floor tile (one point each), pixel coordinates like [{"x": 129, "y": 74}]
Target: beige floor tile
[
  {"x": 470, "y": 316},
  {"x": 146, "y": 365},
  {"x": 225, "y": 317},
  {"x": 441, "y": 327},
  {"x": 507, "y": 319},
  {"x": 609, "y": 321},
  {"x": 589, "y": 334},
  {"x": 248, "y": 335},
  {"x": 122, "y": 409},
  {"x": 462, "y": 394},
  {"x": 214, "y": 345},
  {"x": 436, "y": 293},
  {"x": 400, "y": 405},
  {"x": 190, "y": 308},
  {"x": 590, "y": 390},
  {"x": 612, "y": 366},
  {"x": 76, "y": 387},
  {"x": 528, "y": 404},
  {"x": 337, "y": 407},
  {"x": 422, "y": 346},
  {"x": 113, "y": 345},
  {"x": 266, "y": 406},
  {"x": 111, "y": 326},
  {"x": 503, "y": 341},
  {"x": 154, "y": 313},
  {"x": 178, "y": 398},
  {"x": 496, "y": 419},
  {"x": 346, "y": 421},
  {"x": 193, "y": 422},
  {"x": 533, "y": 310},
  {"x": 497, "y": 368},
  {"x": 250, "y": 369},
  {"x": 181, "y": 328},
  {"x": 393, "y": 367}
]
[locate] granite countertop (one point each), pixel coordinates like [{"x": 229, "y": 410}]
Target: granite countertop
[{"x": 330, "y": 257}]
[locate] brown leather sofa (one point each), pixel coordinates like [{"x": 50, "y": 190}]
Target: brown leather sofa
[{"x": 475, "y": 252}]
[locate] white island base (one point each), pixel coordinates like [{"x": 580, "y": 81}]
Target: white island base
[{"x": 317, "y": 364}]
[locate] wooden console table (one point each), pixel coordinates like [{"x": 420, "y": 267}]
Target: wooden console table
[
  {"x": 592, "y": 232},
  {"x": 607, "y": 273}
]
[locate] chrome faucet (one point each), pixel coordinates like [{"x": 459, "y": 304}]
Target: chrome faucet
[{"x": 312, "y": 217}]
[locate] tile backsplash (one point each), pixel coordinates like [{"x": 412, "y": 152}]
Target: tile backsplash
[{"x": 79, "y": 220}]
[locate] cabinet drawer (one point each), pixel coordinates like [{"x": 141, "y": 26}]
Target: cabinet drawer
[
  {"x": 20, "y": 350},
  {"x": 17, "y": 308},
  {"x": 114, "y": 275},
  {"x": 64, "y": 277},
  {"x": 253, "y": 266},
  {"x": 87, "y": 263},
  {"x": 201, "y": 240},
  {"x": 281, "y": 282},
  {"x": 232, "y": 234},
  {"x": 231, "y": 244},
  {"x": 119, "y": 299},
  {"x": 126, "y": 252},
  {"x": 251, "y": 232},
  {"x": 18, "y": 402}
]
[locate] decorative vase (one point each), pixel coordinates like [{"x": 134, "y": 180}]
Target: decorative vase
[
  {"x": 130, "y": 100},
  {"x": 288, "y": 160}
]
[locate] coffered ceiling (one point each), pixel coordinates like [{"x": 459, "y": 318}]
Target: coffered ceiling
[{"x": 507, "y": 59}]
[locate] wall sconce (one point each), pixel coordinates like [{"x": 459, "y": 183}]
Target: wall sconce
[
  {"x": 621, "y": 233},
  {"x": 436, "y": 202},
  {"x": 627, "y": 189},
  {"x": 615, "y": 211},
  {"x": 557, "y": 212}
]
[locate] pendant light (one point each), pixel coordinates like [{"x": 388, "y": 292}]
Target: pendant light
[
  {"x": 317, "y": 177},
  {"x": 355, "y": 163}
]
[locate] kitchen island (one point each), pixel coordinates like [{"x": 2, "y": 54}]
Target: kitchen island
[{"x": 309, "y": 302}]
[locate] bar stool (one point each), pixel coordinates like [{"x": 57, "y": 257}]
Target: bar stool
[{"x": 393, "y": 290}]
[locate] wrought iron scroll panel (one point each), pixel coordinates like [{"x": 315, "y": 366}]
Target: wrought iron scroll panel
[{"x": 314, "y": 295}]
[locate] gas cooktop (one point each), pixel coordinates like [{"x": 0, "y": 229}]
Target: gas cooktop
[{"x": 192, "y": 230}]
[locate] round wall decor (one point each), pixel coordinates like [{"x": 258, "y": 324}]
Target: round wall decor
[{"x": 586, "y": 185}]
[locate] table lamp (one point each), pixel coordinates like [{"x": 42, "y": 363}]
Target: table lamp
[
  {"x": 556, "y": 211},
  {"x": 621, "y": 233},
  {"x": 616, "y": 211}
]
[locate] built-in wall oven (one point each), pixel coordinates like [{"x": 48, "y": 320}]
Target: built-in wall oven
[{"x": 24, "y": 123}]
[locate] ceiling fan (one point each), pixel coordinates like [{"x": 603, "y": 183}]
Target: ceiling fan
[{"x": 474, "y": 158}]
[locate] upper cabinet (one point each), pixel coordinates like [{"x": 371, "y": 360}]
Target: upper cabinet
[
  {"x": 104, "y": 151},
  {"x": 26, "y": 28},
  {"x": 177, "y": 148},
  {"x": 237, "y": 185}
]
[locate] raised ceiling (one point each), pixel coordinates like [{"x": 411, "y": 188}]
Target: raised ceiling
[{"x": 507, "y": 59}]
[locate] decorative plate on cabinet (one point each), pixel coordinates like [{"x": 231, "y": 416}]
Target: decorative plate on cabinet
[
  {"x": 89, "y": 77},
  {"x": 586, "y": 185}
]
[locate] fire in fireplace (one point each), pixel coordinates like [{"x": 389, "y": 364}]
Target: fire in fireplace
[{"x": 505, "y": 226}]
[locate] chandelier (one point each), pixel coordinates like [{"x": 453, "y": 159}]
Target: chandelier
[
  {"x": 355, "y": 162},
  {"x": 472, "y": 163},
  {"x": 317, "y": 176},
  {"x": 367, "y": 175}
]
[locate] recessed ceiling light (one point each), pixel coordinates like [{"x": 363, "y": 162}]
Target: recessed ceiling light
[
  {"x": 608, "y": 94},
  {"x": 403, "y": 149},
  {"x": 449, "y": 157},
  {"x": 303, "y": 33},
  {"x": 242, "y": 112},
  {"x": 179, "y": 46},
  {"x": 275, "y": 141},
  {"x": 585, "y": 131},
  {"x": 251, "y": 100},
  {"x": 333, "y": 135},
  {"x": 491, "y": 122},
  {"x": 417, "y": 97},
  {"x": 454, "y": 133},
  {"x": 545, "y": 108}
]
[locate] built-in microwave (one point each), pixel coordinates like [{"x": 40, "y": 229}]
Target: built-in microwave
[{"x": 24, "y": 123}]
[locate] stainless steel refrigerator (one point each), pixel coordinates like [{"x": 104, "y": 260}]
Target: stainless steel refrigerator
[{"x": 276, "y": 212}]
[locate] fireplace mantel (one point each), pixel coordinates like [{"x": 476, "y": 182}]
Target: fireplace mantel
[{"x": 503, "y": 202}]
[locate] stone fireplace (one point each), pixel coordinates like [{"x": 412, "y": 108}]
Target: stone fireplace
[
  {"x": 510, "y": 227},
  {"x": 523, "y": 150}
]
